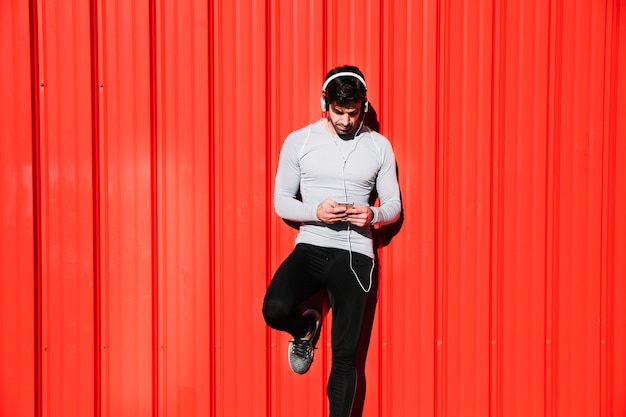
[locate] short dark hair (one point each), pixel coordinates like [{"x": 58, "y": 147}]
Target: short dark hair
[{"x": 345, "y": 90}]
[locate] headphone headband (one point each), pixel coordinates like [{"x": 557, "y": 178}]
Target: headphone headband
[
  {"x": 343, "y": 74},
  {"x": 323, "y": 102}
]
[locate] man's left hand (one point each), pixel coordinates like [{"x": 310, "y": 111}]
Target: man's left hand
[{"x": 360, "y": 216}]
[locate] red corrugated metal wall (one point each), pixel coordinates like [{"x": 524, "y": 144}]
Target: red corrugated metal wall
[{"x": 138, "y": 143}]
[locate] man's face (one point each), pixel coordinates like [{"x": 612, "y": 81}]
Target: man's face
[{"x": 344, "y": 118}]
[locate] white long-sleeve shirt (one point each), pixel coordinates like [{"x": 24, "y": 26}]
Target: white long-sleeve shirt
[{"x": 321, "y": 165}]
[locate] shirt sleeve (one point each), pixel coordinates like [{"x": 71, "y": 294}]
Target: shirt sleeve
[
  {"x": 287, "y": 184},
  {"x": 387, "y": 188}
]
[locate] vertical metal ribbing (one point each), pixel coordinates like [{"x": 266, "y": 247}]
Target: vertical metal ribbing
[
  {"x": 154, "y": 201},
  {"x": 95, "y": 164},
  {"x": 212, "y": 221},
  {"x": 36, "y": 152}
]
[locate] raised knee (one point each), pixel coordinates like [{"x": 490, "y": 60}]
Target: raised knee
[{"x": 275, "y": 312}]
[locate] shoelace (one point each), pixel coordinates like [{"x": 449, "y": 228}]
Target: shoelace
[{"x": 301, "y": 348}]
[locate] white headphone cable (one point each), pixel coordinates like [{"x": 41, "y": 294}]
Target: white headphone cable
[
  {"x": 349, "y": 229},
  {"x": 356, "y": 276}
]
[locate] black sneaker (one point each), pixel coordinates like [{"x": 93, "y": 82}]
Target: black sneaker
[{"x": 301, "y": 351}]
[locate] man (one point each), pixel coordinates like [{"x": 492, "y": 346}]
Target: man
[{"x": 335, "y": 164}]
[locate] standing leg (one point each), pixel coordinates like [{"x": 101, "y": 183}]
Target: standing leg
[{"x": 352, "y": 310}]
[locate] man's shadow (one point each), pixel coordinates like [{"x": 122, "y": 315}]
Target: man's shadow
[{"x": 382, "y": 236}]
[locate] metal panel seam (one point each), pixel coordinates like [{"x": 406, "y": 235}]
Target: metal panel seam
[
  {"x": 552, "y": 207},
  {"x": 437, "y": 218},
  {"x": 95, "y": 178},
  {"x": 36, "y": 178},
  {"x": 381, "y": 69},
  {"x": 211, "y": 213},
  {"x": 498, "y": 50},
  {"x": 154, "y": 206},
  {"x": 269, "y": 212},
  {"x": 608, "y": 226}
]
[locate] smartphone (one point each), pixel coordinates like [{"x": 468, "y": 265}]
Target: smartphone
[{"x": 345, "y": 204}]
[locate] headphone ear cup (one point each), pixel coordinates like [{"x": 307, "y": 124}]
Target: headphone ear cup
[{"x": 323, "y": 103}]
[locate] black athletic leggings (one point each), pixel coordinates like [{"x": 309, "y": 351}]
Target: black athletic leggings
[{"x": 303, "y": 273}]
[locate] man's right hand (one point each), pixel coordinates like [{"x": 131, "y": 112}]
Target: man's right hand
[{"x": 328, "y": 211}]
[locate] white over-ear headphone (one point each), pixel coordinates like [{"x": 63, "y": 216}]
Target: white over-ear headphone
[{"x": 323, "y": 101}]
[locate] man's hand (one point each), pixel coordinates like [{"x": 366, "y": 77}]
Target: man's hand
[
  {"x": 330, "y": 212},
  {"x": 360, "y": 216}
]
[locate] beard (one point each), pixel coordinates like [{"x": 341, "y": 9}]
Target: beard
[{"x": 342, "y": 129}]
